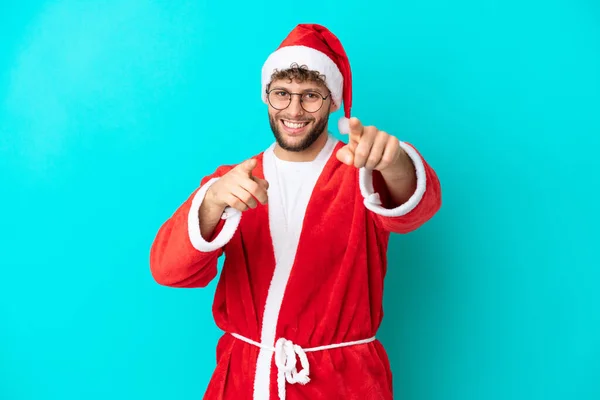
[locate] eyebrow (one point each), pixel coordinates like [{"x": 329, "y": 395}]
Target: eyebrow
[{"x": 312, "y": 89}]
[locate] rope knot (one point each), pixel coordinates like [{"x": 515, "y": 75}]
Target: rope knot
[{"x": 285, "y": 360}]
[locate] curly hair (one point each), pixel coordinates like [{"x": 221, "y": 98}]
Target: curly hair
[{"x": 300, "y": 74}]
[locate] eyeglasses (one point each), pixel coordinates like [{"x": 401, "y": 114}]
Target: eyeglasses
[{"x": 310, "y": 101}]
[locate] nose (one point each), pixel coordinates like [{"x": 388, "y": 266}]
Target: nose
[{"x": 295, "y": 108}]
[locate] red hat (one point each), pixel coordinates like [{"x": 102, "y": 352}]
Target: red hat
[{"x": 315, "y": 47}]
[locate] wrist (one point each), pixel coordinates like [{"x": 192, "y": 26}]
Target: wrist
[
  {"x": 402, "y": 169},
  {"x": 211, "y": 200}
]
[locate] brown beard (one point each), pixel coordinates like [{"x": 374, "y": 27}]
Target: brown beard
[{"x": 308, "y": 140}]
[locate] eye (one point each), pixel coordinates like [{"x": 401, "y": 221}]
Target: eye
[
  {"x": 281, "y": 93},
  {"x": 311, "y": 97}
]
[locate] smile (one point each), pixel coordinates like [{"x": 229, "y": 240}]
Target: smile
[{"x": 294, "y": 125}]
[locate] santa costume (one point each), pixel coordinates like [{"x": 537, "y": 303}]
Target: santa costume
[{"x": 300, "y": 294}]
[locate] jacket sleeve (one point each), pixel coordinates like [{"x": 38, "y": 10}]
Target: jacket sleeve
[
  {"x": 416, "y": 211},
  {"x": 180, "y": 256}
]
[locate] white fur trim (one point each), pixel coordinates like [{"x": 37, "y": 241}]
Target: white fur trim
[
  {"x": 284, "y": 57},
  {"x": 344, "y": 125},
  {"x": 285, "y": 244},
  {"x": 232, "y": 220},
  {"x": 372, "y": 201}
]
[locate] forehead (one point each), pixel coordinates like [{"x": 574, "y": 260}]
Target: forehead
[{"x": 296, "y": 86}]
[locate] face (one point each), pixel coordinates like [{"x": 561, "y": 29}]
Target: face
[{"x": 294, "y": 128}]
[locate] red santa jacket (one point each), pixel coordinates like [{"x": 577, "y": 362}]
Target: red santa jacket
[{"x": 324, "y": 284}]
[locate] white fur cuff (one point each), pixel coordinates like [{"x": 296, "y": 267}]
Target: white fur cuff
[
  {"x": 372, "y": 201},
  {"x": 232, "y": 220}
]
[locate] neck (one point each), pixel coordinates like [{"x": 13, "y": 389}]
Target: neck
[{"x": 305, "y": 155}]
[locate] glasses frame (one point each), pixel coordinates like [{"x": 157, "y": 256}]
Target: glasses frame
[{"x": 323, "y": 98}]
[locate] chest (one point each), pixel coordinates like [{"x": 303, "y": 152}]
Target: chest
[{"x": 316, "y": 213}]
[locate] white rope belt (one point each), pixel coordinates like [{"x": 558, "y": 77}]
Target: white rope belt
[{"x": 285, "y": 359}]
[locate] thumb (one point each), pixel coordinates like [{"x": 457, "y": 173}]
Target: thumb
[{"x": 346, "y": 155}]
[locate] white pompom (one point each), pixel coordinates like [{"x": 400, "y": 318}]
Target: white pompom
[{"x": 344, "y": 125}]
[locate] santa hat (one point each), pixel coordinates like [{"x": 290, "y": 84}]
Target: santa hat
[{"x": 315, "y": 47}]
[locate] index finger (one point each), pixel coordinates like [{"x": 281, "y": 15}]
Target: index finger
[{"x": 356, "y": 129}]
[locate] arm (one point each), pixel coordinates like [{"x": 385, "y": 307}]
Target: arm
[
  {"x": 401, "y": 202},
  {"x": 187, "y": 246},
  {"x": 399, "y": 188}
]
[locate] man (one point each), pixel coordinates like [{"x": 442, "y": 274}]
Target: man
[{"x": 304, "y": 227}]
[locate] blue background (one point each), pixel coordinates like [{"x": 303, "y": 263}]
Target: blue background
[{"x": 112, "y": 111}]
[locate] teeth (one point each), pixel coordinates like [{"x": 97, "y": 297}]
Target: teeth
[{"x": 294, "y": 125}]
